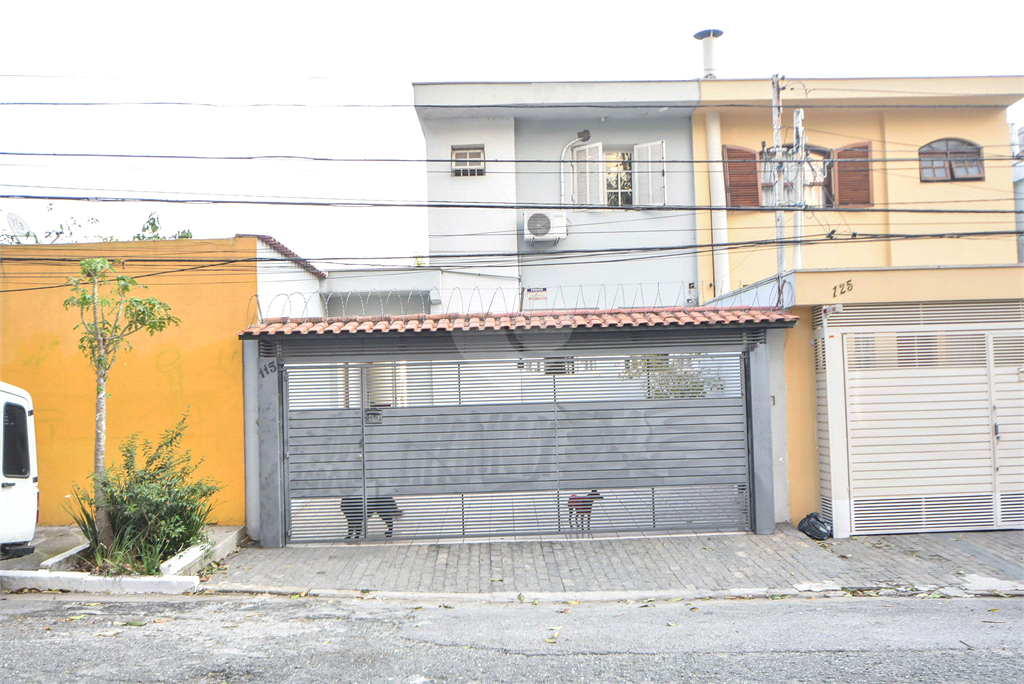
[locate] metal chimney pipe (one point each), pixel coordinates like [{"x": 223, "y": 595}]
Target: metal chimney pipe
[{"x": 707, "y": 37}]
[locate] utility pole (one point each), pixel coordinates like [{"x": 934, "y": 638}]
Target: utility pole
[
  {"x": 800, "y": 161},
  {"x": 777, "y": 160}
]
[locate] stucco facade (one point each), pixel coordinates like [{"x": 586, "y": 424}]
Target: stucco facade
[{"x": 195, "y": 367}]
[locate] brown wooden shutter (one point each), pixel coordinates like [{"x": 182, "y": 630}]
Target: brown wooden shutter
[
  {"x": 851, "y": 180},
  {"x": 742, "y": 177}
]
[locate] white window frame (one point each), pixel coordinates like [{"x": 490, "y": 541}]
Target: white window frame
[
  {"x": 650, "y": 183},
  {"x": 589, "y": 174},
  {"x": 468, "y": 160}
]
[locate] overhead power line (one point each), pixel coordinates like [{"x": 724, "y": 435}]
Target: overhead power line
[
  {"x": 423, "y": 160},
  {"x": 496, "y": 205},
  {"x": 513, "y": 105}
]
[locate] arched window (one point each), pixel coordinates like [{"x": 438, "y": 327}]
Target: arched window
[{"x": 951, "y": 159}]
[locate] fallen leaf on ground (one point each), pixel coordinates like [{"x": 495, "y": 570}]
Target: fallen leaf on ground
[
  {"x": 993, "y": 610},
  {"x": 694, "y": 608},
  {"x": 93, "y": 604},
  {"x": 108, "y": 633},
  {"x": 672, "y": 624},
  {"x": 550, "y": 641},
  {"x": 573, "y": 603},
  {"x": 159, "y": 620},
  {"x": 497, "y": 579},
  {"x": 536, "y": 602},
  {"x": 673, "y": 600},
  {"x": 520, "y": 597},
  {"x": 76, "y": 617},
  {"x": 445, "y": 605},
  {"x": 564, "y": 610}
]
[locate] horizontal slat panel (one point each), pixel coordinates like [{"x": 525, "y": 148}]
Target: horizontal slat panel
[
  {"x": 501, "y": 439},
  {"x": 923, "y": 514},
  {"x": 511, "y": 514}
]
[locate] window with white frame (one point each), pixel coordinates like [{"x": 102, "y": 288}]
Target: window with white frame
[
  {"x": 468, "y": 160},
  {"x": 619, "y": 176}
]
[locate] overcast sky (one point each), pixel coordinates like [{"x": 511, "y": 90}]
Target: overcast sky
[{"x": 324, "y": 54}]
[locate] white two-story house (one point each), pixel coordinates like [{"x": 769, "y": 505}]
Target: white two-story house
[{"x": 565, "y": 190}]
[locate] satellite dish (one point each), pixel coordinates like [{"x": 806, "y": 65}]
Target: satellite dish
[{"x": 17, "y": 223}]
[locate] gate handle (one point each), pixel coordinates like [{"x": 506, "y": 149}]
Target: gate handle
[
  {"x": 5, "y": 485},
  {"x": 997, "y": 431}
]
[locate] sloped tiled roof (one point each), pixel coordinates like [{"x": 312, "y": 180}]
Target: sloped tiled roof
[
  {"x": 537, "y": 320},
  {"x": 287, "y": 253}
]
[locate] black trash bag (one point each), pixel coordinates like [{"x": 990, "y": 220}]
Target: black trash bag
[{"x": 814, "y": 527}]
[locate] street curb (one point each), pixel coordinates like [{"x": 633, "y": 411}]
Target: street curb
[
  {"x": 195, "y": 558},
  {"x": 62, "y": 561},
  {"x": 504, "y": 596},
  {"x": 83, "y": 582},
  {"x": 564, "y": 596}
]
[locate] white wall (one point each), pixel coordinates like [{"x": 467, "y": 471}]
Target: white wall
[
  {"x": 285, "y": 289},
  {"x": 472, "y": 231}
]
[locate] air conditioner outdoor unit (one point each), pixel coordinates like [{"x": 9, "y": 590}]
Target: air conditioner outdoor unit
[{"x": 544, "y": 226}]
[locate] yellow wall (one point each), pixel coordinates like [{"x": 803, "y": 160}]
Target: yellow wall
[
  {"x": 881, "y": 271},
  {"x": 801, "y": 414},
  {"x": 198, "y": 364},
  {"x": 894, "y": 133}
]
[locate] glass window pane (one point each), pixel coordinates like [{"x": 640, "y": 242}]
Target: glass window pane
[{"x": 15, "y": 462}]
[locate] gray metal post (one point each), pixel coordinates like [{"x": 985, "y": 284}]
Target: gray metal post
[
  {"x": 270, "y": 423},
  {"x": 762, "y": 467},
  {"x": 250, "y": 394},
  {"x": 364, "y": 404}
]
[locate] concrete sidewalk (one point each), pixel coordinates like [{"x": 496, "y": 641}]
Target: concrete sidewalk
[{"x": 692, "y": 565}]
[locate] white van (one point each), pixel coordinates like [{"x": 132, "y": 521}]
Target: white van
[{"x": 19, "y": 477}]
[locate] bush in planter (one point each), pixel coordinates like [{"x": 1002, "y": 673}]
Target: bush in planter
[{"x": 156, "y": 507}]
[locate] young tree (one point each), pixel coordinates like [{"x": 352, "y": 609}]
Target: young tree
[{"x": 109, "y": 315}]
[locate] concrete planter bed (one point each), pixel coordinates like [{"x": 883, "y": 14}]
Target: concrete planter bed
[{"x": 177, "y": 575}]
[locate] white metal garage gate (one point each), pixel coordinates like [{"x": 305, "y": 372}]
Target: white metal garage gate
[
  {"x": 923, "y": 428},
  {"x": 504, "y": 448}
]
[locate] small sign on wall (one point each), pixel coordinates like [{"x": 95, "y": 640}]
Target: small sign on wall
[{"x": 536, "y": 294}]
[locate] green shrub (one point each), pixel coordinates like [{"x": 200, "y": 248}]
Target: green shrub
[{"x": 156, "y": 507}]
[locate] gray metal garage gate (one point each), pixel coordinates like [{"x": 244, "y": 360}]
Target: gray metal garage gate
[
  {"x": 511, "y": 433},
  {"x": 498, "y": 447}
]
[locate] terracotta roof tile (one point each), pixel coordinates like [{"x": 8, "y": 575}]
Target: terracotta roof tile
[
  {"x": 287, "y": 253},
  {"x": 615, "y": 318}
]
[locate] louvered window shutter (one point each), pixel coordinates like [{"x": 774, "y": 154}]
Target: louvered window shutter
[
  {"x": 588, "y": 175},
  {"x": 742, "y": 177},
  {"x": 649, "y": 174},
  {"x": 851, "y": 175}
]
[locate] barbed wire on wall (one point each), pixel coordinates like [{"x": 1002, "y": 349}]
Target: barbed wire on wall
[{"x": 468, "y": 301}]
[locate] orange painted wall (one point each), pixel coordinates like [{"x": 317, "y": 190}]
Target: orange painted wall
[
  {"x": 801, "y": 416},
  {"x": 197, "y": 365}
]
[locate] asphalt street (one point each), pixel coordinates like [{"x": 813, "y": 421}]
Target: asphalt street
[{"x": 66, "y": 638}]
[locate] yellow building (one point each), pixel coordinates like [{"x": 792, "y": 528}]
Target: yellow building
[
  {"x": 195, "y": 367},
  {"x": 904, "y": 397}
]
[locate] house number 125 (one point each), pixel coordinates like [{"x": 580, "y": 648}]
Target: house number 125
[{"x": 842, "y": 288}]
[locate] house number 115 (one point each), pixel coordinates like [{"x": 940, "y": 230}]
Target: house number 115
[{"x": 842, "y": 288}]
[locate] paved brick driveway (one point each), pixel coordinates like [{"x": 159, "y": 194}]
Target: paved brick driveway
[{"x": 691, "y": 563}]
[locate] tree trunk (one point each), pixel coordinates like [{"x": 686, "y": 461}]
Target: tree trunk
[{"x": 106, "y": 534}]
